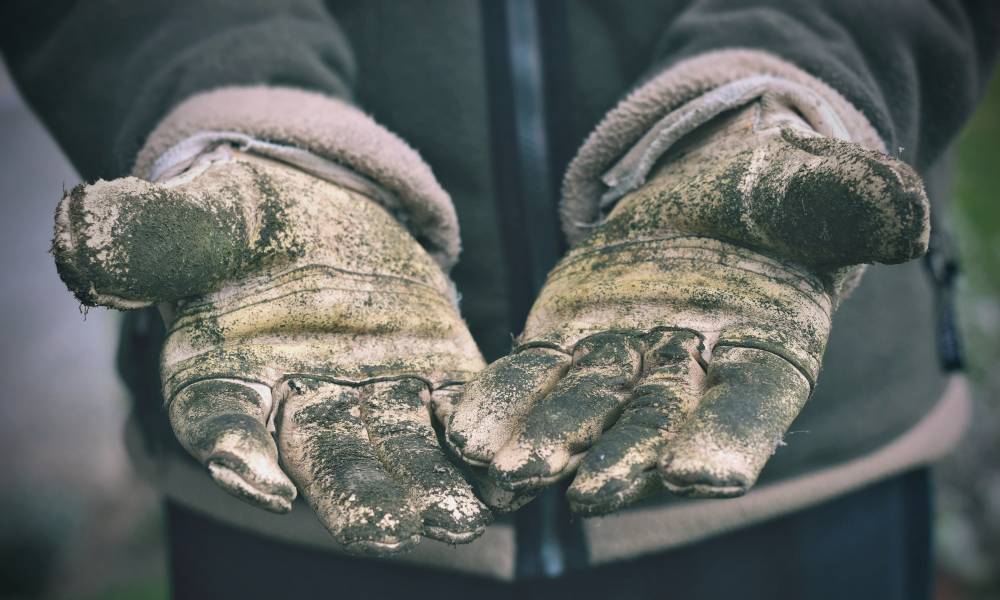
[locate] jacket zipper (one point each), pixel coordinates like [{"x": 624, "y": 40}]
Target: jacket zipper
[{"x": 548, "y": 541}]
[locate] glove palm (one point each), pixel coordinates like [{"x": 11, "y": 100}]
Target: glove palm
[
  {"x": 300, "y": 308},
  {"x": 677, "y": 342}
]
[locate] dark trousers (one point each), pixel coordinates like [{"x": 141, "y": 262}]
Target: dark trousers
[{"x": 874, "y": 543}]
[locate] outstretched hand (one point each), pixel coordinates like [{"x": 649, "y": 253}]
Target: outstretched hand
[
  {"x": 311, "y": 337},
  {"x": 676, "y": 344}
]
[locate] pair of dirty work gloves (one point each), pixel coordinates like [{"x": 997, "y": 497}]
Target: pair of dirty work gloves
[{"x": 313, "y": 343}]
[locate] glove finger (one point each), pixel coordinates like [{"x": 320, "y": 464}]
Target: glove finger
[
  {"x": 751, "y": 398},
  {"x": 573, "y": 415},
  {"x": 222, "y": 423},
  {"x": 498, "y": 498},
  {"x": 443, "y": 402},
  {"x": 620, "y": 467},
  {"x": 325, "y": 447},
  {"x": 129, "y": 243},
  {"x": 396, "y": 416},
  {"x": 496, "y": 401}
]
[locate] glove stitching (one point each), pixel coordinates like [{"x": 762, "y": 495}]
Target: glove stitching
[
  {"x": 645, "y": 333},
  {"x": 267, "y": 282},
  {"x": 324, "y": 378},
  {"x": 792, "y": 269},
  {"x": 813, "y": 283},
  {"x": 188, "y": 320},
  {"x": 762, "y": 347}
]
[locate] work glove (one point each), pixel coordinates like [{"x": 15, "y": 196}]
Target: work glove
[
  {"x": 310, "y": 334},
  {"x": 677, "y": 342}
]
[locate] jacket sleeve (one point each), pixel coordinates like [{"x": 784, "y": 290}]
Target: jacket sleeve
[
  {"x": 122, "y": 84},
  {"x": 896, "y": 78},
  {"x": 915, "y": 69},
  {"x": 101, "y": 74}
]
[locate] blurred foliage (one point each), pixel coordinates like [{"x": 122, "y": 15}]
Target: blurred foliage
[
  {"x": 976, "y": 218},
  {"x": 968, "y": 515}
]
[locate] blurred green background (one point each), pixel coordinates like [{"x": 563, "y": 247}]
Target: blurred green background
[
  {"x": 968, "y": 502},
  {"x": 976, "y": 224}
]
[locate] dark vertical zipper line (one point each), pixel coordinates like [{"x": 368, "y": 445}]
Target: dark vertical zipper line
[
  {"x": 505, "y": 168},
  {"x": 558, "y": 85},
  {"x": 548, "y": 541},
  {"x": 531, "y": 133},
  {"x": 519, "y": 148}
]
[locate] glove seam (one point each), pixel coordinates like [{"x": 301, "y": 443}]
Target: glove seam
[
  {"x": 799, "y": 273},
  {"x": 643, "y": 333},
  {"x": 208, "y": 303},
  {"x": 191, "y": 320},
  {"x": 326, "y": 379}
]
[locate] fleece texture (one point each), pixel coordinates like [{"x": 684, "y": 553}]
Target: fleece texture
[{"x": 326, "y": 127}]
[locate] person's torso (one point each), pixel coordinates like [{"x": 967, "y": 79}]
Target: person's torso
[{"x": 460, "y": 86}]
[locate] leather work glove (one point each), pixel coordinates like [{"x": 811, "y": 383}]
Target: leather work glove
[
  {"x": 676, "y": 343},
  {"x": 310, "y": 335}
]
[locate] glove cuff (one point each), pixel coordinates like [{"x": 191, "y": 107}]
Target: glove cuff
[
  {"x": 663, "y": 109},
  {"x": 330, "y": 129}
]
